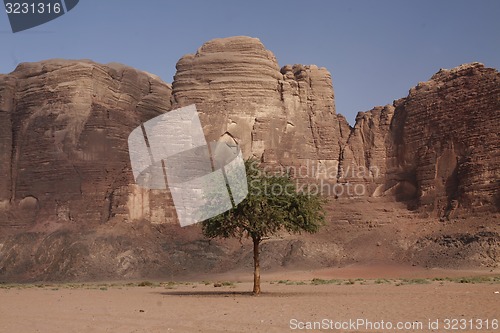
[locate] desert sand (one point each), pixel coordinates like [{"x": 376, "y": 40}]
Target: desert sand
[{"x": 410, "y": 296}]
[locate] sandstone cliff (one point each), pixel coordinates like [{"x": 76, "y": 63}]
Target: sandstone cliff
[
  {"x": 445, "y": 141},
  {"x": 69, "y": 208},
  {"x": 64, "y": 128},
  {"x": 437, "y": 148},
  {"x": 424, "y": 149},
  {"x": 284, "y": 117}
]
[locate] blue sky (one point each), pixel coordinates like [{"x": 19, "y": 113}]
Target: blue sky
[{"x": 375, "y": 50}]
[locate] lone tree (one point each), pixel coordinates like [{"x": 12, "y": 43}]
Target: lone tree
[{"x": 273, "y": 204}]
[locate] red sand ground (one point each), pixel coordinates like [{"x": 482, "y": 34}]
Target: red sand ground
[{"x": 197, "y": 307}]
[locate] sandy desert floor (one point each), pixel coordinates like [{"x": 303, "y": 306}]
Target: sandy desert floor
[{"x": 289, "y": 302}]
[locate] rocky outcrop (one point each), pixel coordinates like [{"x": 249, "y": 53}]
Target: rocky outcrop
[
  {"x": 444, "y": 150},
  {"x": 437, "y": 148},
  {"x": 282, "y": 117},
  {"x": 364, "y": 156},
  {"x": 66, "y": 157},
  {"x": 63, "y": 139},
  {"x": 69, "y": 207},
  {"x": 287, "y": 118}
]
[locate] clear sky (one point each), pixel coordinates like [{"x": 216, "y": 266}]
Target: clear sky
[{"x": 375, "y": 50}]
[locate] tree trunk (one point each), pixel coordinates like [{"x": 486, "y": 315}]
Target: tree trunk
[{"x": 256, "y": 267}]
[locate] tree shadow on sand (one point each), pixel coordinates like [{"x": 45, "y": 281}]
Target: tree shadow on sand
[{"x": 228, "y": 293}]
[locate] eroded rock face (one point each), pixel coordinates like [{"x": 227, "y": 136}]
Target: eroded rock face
[
  {"x": 444, "y": 151},
  {"x": 437, "y": 148},
  {"x": 282, "y": 117},
  {"x": 364, "y": 156},
  {"x": 63, "y": 140},
  {"x": 68, "y": 189},
  {"x": 288, "y": 118}
]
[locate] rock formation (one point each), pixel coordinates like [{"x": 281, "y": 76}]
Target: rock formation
[
  {"x": 64, "y": 128},
  {"x": 438, "y": 148},
  {"x": 422, "y": 149},
  {"x": 445, "y": 144},
  {"x": 282, "y": 117},
  {"x": 364, "y": 156},
  {"x": 69, "y": 207}
]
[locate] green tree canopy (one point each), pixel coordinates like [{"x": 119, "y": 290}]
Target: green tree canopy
[{"x": 273, "y": 204}]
